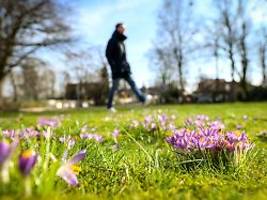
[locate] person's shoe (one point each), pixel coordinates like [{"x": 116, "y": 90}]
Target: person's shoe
[
  {"x": 112, "y": 109},
  {"x": 148, "y": 100}
]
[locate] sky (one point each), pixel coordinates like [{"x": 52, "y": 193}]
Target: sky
[
  {"x": 97, "y": 21},
  {"x": 93, "y": 22}
]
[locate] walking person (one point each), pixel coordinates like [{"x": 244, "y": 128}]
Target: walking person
[{"x": 120, "y": 68}]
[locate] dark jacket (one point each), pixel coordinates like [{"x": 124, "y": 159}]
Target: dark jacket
[{"x": 116, "y": 56}]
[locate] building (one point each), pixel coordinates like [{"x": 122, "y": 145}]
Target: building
[{"x": 216, "y": 90}]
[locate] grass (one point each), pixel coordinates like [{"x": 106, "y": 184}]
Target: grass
[{"x": 144, "y": 168}]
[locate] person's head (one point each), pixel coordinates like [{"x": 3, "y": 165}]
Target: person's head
[{"x": 120, "y": 28}]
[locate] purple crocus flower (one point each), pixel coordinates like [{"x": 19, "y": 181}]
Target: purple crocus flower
[
  {"x": 148, "y": 119},
  {"x": 29, "y": 133},
  {"x": 9, "y": 133},
  {"x": 207, "y": 139},
  {"x": 69, "y": 170},
  {"x": 47, "y": 134},
  {"x": 68, "y": 140},
  {"x": 171, "y": 127},
  {"x": 91, "y": 136},
  {"x": 231, "y": 137},
  {"x": 27, "y": 160},
  {"x": 5, "y": 150},
  {"x": 115, "y": 133},
  {"x": 202, "y": 117},
  {"x": 218, "y": 125},
  {"x": 189, "y": 122},
  {"x": 162, "y": 118},
  {"x": 99, "y": 138},
  {"x": 51, "y": 122}
]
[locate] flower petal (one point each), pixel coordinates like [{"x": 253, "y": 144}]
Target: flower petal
[
  {"x": 68, "y": 175},
  {"x": 78, "y": 157}
]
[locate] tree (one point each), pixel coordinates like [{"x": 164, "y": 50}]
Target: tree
[
  {"x": 90, "y": 67},
  {"x": 26, "y": 26},
  {"x": 227, "y": 17},
  {"x": 262, "y": 50},
  {"x": 175, "y": 41},
  {"x": 163, "y": 66},
  {"x": 79, "y": 61},
  {"x": 103, "y": 87},
  {"x": 243, "y": 44}
]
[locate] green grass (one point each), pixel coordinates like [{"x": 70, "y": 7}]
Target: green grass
[{"x": 143, "y": 168}]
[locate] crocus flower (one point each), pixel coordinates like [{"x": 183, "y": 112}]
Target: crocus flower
[
  {"x": 69, "y": 170},
  {"x": 68, "y": 140},
  {"x": 27, "y": 160},
  {"x": 5, "y": 151},
  {"x": 91, "y": 136},
  {"x": 207, "y": 139},
  {"x": 171, "y": 127},
  {"x": 47, "y": 133},
  {"x": 29, "y": 133},
  {"x": 218, "y": 125},
  {"x": 148, "y": 119},
  {"x": 9, "y": 133},
  {"x": 115, "y": 133},
  {"x": 51, "y": 122}
]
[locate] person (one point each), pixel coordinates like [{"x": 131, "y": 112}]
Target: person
[{"x": 120, "y": 68}]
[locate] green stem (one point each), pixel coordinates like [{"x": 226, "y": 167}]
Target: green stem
[
  {"x": 27, "y": 185},
  {"x": 5, "y": 173}
]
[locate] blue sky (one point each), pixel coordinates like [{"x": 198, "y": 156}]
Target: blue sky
[{"x": 93, "y": 22}]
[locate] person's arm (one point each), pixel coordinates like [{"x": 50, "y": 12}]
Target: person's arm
[{"x": 110, "y": 53}]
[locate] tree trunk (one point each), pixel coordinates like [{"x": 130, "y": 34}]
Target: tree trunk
[
  {"x": 15, "y": 90},
  {"x": 179, "y": 58},
  {"x": 263, "y": 63},
  {"x": 1, "y": 90},
  {"x": 231, "y": 58},
  {"x": 244, "y": 62},
  {"x": 181, "y": 79}
]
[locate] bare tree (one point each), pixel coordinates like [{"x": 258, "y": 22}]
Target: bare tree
[
  {"x": 90, "y": 67},
  {"x": 227, "y": 16},
  {"x": 163, "y": 66},
  {"x": 79, "y": 61},
  {"x": 26, "y": 26},
  {"x": 175, "y": 41},
  {"x": 243, "y": 43},
  {"x": 262, "y": 48},
  {"x": 14, "y": 76},
  {"x": 212, "y": 43}
]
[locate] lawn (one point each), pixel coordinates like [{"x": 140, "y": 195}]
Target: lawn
[{"x": 134, "y": 163}]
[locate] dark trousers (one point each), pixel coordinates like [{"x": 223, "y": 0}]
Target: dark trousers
[{"x": 130, "y": 81}]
